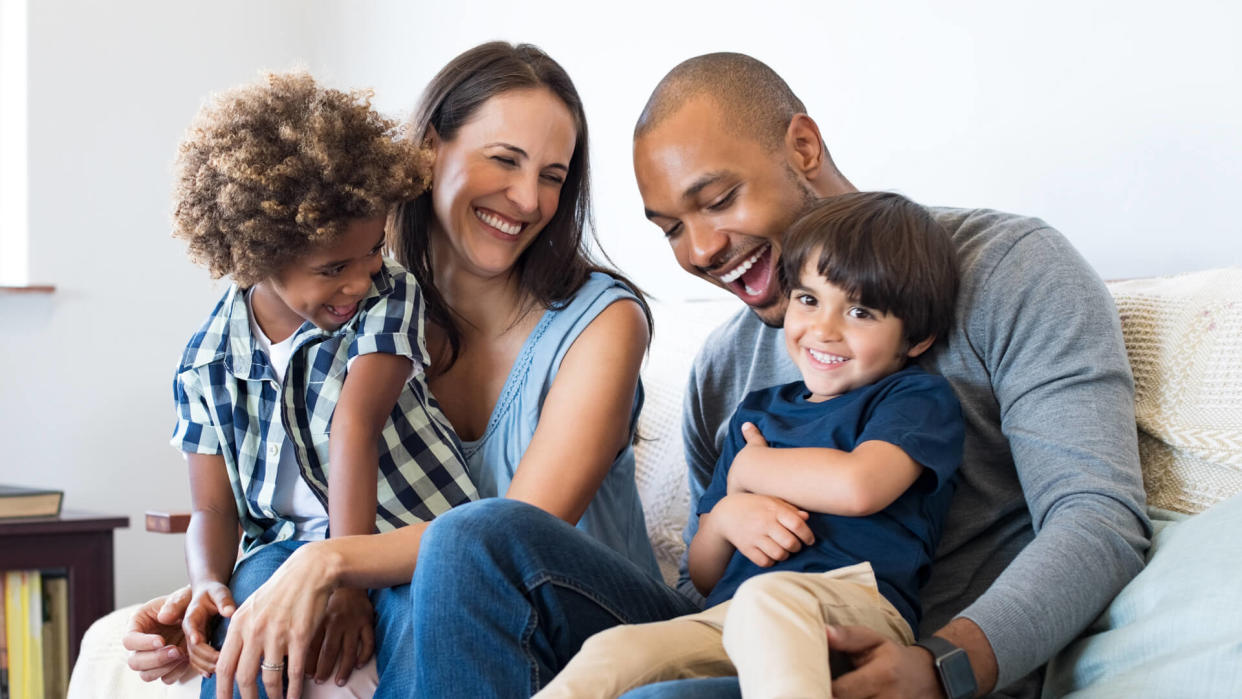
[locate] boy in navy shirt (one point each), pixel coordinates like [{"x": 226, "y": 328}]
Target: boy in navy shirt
[{"x": 830, "y": 493}]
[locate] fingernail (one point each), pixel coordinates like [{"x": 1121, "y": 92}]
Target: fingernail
[
  {"x": 340, "y": 683},
  {"x": 173, "y": 654}
]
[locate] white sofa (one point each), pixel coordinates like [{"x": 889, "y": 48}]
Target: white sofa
[{"x": 1168, "y": 634}]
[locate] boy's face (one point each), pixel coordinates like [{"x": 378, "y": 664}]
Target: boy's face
[
  {"x": 323, "y": 286},
  {"x": 837, "y": 343}
]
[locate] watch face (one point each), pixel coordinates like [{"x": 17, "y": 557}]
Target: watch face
[{"x": 956, "y": 675}]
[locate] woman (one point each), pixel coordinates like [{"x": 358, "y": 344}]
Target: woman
[{"x": 536, "y": 351}]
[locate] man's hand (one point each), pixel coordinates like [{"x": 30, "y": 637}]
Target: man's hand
[
  {"x": 207, "y": 601},
  {"x": 155, "y": 640},
  {"x": 346, "y": 639},
  {"x": 882, "y": 668},
  {"x": 762, "y": 528}
]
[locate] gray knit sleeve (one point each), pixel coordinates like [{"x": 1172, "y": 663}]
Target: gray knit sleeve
[{"x": 1047, "y": 330}]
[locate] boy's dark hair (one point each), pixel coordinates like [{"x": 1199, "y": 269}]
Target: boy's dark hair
[
  {"x": 270, "y": 170},
  {"x": 559, "y": 262},
  {"x": 886, "y": 252}
]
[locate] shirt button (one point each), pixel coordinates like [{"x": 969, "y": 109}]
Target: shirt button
[{"x": 273, "y": 450}]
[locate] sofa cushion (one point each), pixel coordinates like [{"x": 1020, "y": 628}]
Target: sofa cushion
[
  {"x": 660, "y": 463},
  {"x": 1184, "y": 338},
  {"x": 1173, "y": 631}
]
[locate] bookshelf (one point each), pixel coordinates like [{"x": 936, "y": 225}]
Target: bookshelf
[{"x": 80, "y": 543}]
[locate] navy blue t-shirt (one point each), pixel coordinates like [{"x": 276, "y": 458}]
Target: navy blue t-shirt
[{"x": 911, "y": 409}]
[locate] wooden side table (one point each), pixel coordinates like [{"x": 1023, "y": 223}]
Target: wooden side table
[{"x": 79, "y": 543}]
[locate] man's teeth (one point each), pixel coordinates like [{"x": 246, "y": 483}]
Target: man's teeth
[
  {"x": 498, "y": 223},
  {"x": 742, "y": 268},
  {"x": 825, "y": 358}
]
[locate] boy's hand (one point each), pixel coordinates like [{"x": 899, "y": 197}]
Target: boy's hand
[
  {"x": 155, "y": 641},
  {"x": 346, "y": 639},
  {"x": 762, "y": 528},
  {"x": 206, "y": 602},
  {"x": 745, "y": 459}
]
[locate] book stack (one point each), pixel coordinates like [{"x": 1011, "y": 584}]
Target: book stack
[
  {"x": 34, "y": 635},
  {"x": 34, "y": 612}
]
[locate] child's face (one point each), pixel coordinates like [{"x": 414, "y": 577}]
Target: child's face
[
  {"x": 837, "y": 343},
  {"x": 323, "y": 286}
]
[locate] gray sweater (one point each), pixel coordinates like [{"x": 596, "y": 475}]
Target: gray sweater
[{"x": 1048, "y": 521}]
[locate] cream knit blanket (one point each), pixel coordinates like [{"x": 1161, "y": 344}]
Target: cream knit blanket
[{"x": 1184, "y": 338}]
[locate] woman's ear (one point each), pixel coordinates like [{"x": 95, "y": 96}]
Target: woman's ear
[
  {"x": 921, "y": 347},
  {"x": 431, "y": 140}
]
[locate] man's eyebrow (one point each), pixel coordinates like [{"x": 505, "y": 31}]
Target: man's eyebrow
[
  {"x": 704, "y": 181},
  {"x": 524, "y": 154}
]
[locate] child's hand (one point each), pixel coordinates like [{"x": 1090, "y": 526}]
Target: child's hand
[
  {"x": 750, "y": 455},
  {"x": 207, "y": 601},
  {"x": 346, "y": 639},
  {"x": 762, "y": 528}
]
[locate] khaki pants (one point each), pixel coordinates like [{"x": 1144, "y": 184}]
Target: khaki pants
[{"x": 771, "y": 635}]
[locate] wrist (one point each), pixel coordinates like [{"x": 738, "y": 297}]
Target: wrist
[{"x": 327, "y": 564}]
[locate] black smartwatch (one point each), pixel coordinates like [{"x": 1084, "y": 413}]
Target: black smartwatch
[{"x": 957, "y": 679}]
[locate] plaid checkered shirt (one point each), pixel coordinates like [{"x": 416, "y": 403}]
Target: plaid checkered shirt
[{"x": 226, "y": 395}]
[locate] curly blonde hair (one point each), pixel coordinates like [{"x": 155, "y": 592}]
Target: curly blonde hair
[{"x": 268, "y": 171}]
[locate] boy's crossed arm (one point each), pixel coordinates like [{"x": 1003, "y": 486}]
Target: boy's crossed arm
[
  {"x": 771, "y": 492},
  {"x": 819, "y": 479}
]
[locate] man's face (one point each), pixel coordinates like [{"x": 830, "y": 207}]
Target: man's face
[{"x": 723, "y": 202}]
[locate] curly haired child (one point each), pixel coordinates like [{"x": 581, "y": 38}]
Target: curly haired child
[
  {"x": 302, "y": 407},
  {"x": 830, "y": 493}
]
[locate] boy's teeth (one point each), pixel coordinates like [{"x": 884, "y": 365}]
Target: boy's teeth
[
  {"x": 750, "y": 291},
  {"x": 742, "y": 268},
  {"x": 499, "y": 224},
  {"x": 825, "y": 358}
]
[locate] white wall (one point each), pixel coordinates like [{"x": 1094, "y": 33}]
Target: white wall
[{"x": 1118, "y": 122}]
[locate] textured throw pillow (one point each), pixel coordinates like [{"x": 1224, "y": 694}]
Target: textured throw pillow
[
  {"x": 1173, "y": 631},
  {"x": 1184, "y": 338},
  {"x": 660, "y": 461}
]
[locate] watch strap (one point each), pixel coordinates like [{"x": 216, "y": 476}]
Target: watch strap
[{"x": 957, "y": 678}]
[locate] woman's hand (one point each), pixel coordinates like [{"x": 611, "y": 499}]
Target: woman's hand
[
  {"x": 155, "y": 640},
  {"x": 207, "y": 601},
  {"x": 347, "y": 638},
  {"x": 276, "y": 624}
]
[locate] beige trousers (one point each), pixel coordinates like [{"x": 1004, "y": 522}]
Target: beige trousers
[{"x": 771, "y": 635}]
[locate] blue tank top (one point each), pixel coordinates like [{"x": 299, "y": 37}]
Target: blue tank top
[{"x": 615, "y": 516}]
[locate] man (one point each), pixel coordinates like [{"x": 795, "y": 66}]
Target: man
[{"x": 1036, "y": 359}]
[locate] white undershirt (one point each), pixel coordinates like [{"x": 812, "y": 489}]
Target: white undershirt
[{"x": 292, "y": 499}]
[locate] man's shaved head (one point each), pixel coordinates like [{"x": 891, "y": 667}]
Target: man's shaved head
[{"x": 754, "y": 101}]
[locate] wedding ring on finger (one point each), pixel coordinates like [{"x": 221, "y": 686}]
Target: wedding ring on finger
[{"x": 272, "y": 667}]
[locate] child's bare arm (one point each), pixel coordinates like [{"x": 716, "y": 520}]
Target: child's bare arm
[
  {"x": 210, "y": 552},
  {"x": 765, "y": 529},
  {"x": 372, "y": 386},
  {"x": 370, "y": 391},
  {"x": 850, "y": 483}
]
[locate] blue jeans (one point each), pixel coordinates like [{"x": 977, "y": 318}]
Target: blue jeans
[
  {"x": 392, "y": 625},
  {"x": 709, "y": 688},
  {"x": 507, "y": 593}
]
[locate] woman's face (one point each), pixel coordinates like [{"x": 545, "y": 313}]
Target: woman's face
[{"x": 497, "y": 183}]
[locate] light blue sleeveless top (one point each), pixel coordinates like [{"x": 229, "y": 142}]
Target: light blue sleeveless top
[{"x": 615, "y": 516}]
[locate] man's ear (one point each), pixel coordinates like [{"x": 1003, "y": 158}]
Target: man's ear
[
  {"x": 921, "y": 347},
  {"x": 805, "y": 146}
]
